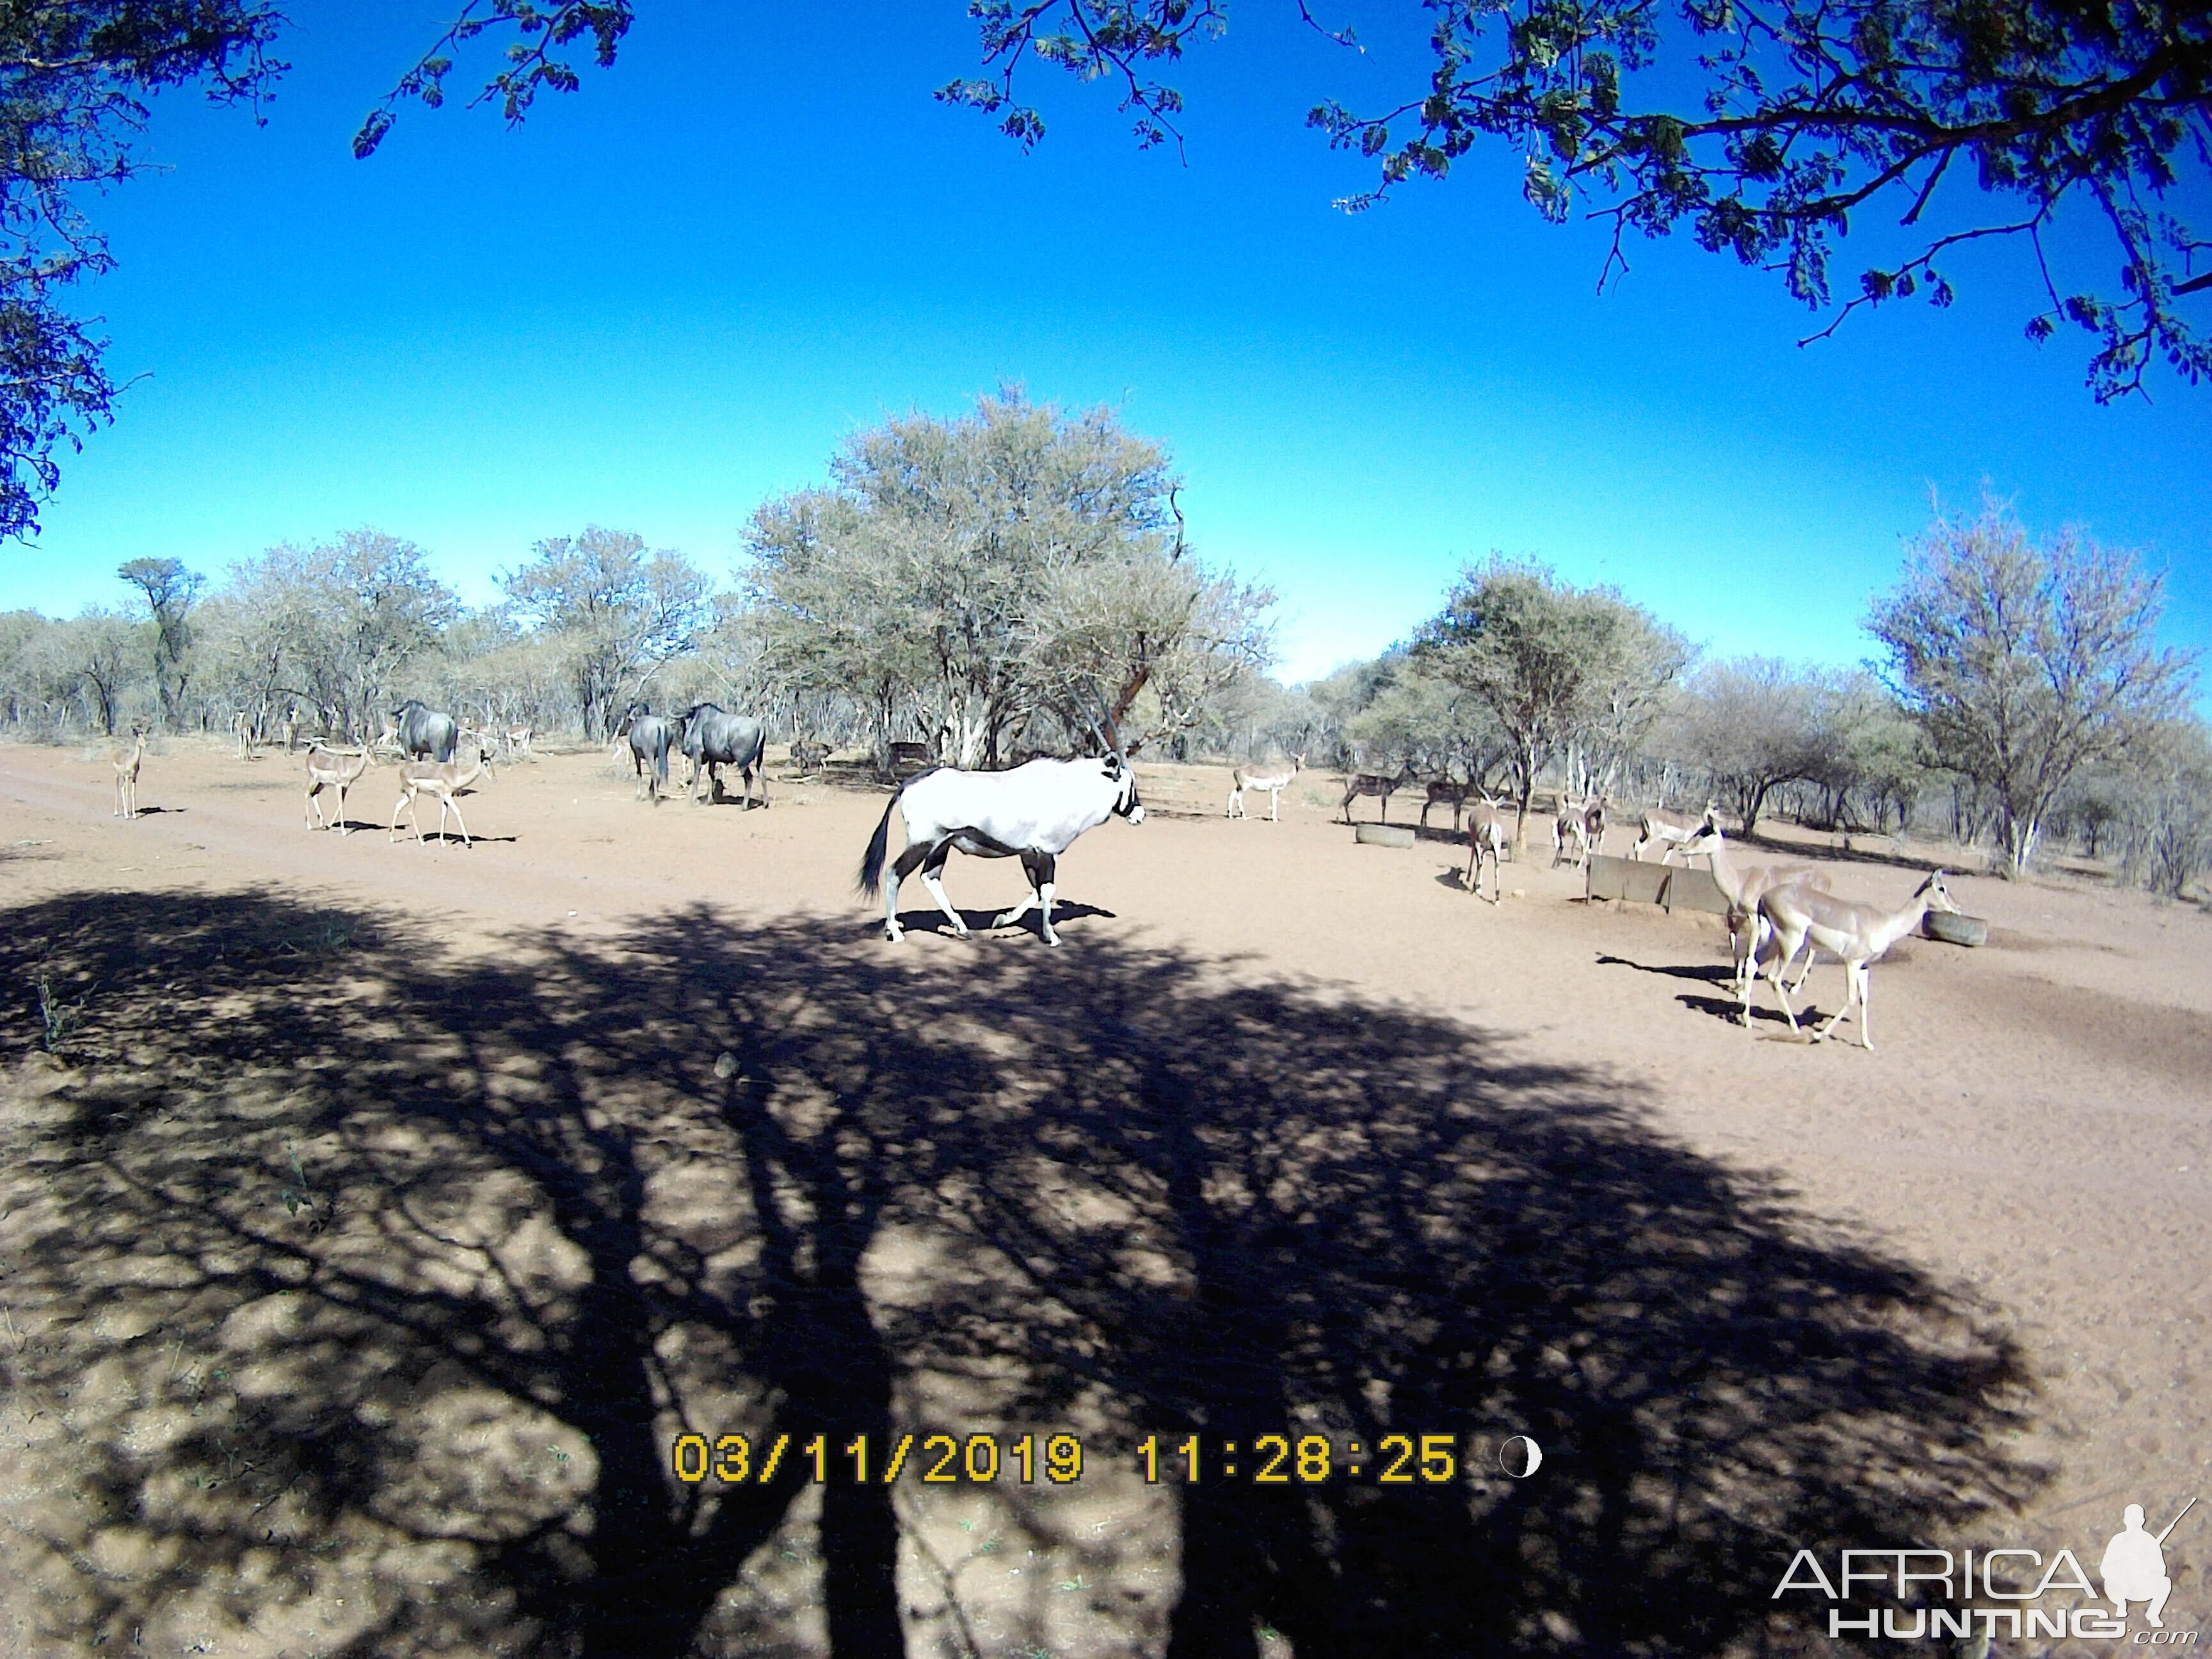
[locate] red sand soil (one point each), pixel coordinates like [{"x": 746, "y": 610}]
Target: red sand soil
[{"x": 386, "y": 1210}]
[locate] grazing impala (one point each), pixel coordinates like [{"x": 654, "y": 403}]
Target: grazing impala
[
  {"x": 1581, "y": 823},
  {"x": 1370, "y": 783}
]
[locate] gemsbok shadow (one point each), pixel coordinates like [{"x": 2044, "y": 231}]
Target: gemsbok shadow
[
  {"x": 980, "y": 922},
  {"x": 360, "y": 1292}
]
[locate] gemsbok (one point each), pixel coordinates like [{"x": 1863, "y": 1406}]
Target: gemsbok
[
  {"x": 1856, "y": 935},
  {"x": 1034, "y": 813}
]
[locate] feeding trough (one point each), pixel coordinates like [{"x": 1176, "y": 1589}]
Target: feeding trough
[
  {"x": 1382, "y": 835},
  {"x": 1955, "y": 929}
]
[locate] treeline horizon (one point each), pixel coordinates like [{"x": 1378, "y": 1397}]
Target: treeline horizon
[{"x": 1016, "y": 581}]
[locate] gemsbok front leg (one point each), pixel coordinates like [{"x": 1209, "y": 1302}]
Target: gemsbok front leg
[{"x": 1040, "y": 868}]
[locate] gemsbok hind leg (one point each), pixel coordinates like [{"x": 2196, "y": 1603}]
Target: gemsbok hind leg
[
  {"x": 904, "y": 865},
  {"x": 933, "y": 877}
]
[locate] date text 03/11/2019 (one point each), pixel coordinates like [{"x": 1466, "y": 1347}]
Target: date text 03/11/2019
[{"x": 1397, "y": 1460}]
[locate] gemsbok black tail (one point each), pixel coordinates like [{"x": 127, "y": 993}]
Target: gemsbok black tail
[{"x": 872, "y": 861}]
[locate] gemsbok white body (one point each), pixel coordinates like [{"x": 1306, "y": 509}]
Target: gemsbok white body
[{"x": 1034, "y": 812}]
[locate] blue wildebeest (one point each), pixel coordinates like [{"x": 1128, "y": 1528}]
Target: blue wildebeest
[
  {"x": 652, "y": 739},
  {"x": 421, "y": 732},
  {"x": 1033, "y": 813},
  {"x": 714, "y": 738}
]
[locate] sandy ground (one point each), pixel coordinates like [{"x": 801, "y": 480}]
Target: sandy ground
[{"x": 383, "y": 1214}]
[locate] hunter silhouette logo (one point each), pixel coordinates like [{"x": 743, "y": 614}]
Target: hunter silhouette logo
[
  {"x": 1918, "y": 1581},
  {"x": 2134, "y": 1567}
]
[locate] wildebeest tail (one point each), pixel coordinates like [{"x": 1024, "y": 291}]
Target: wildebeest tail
[{"x": 872, "y": 861}]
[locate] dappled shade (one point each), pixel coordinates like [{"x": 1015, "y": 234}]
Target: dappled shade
[{"x": 538, "y": 1223}]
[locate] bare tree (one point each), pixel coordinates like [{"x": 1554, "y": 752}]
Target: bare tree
[
  {"x": 2025, "y": 663},
  {"x": 615, "y": 612},
  {"x": 1752, "y": 724}
]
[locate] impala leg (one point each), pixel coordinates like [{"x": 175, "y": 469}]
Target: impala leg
[
  {"x": 342, "y": 810},
  {"x": 1782, "y": 996},
  {"x": 1804, "y": 967},
  {"x": 1741, "y": 929},
  {"x": 1770, "y": 958},
  {"x": 444, "y": 801},
  {"x": 1852, "y": 990},
  {"x": 404, "y": 798}
]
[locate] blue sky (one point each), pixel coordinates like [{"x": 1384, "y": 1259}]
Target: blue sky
[{"x": 673, "y": 294}]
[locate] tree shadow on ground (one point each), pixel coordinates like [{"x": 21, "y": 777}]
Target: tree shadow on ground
[
  {"x": 359, "y": 1288},
  {"x": 1970, "y": 861}
]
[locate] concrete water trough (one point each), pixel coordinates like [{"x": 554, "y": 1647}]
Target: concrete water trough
[
  {"x": 1382, "y": 835},
  {"x": 1648, "y": 882}
]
